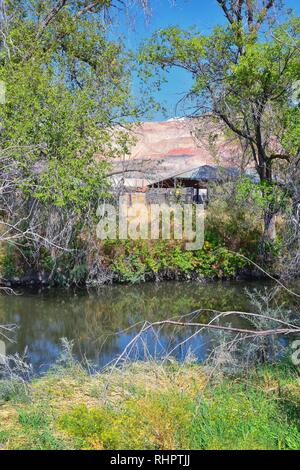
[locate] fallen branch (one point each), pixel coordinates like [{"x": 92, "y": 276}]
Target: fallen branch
[{"x": 243, "y": 333}]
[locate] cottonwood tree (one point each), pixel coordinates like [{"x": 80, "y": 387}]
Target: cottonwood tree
[
  {"x": 243, "y": 78},
  {"x": 67, "y": 99}
]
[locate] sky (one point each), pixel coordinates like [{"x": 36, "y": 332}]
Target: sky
[{"x": 204, "y": 14}]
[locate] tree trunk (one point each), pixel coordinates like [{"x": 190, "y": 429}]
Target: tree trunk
[
  {"x": 269, "y": 225},
  {"x": 269, "y": 231}
]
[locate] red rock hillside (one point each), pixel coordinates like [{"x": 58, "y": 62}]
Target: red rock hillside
[{"x": 182, "y": 138}]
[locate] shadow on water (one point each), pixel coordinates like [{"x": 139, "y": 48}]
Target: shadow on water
[{"x": 95, "y": 320}]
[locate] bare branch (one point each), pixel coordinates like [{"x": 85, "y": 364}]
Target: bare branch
[
  {"x": 262, "y": 14},
  {"x": 88, "y": 8},
  {"x": 226, "y": 10},
  {"x": 50, "y": 16}
]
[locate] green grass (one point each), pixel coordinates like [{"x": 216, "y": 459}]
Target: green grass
[
  {"x": 4, "y": 436},
  {"x": 148, "y": 406},
  {"x": 238, "y": 418}
]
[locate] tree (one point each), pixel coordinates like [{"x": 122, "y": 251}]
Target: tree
[
  {"x": 243, "y": 78},
  {"x": 68, "y": 98},
  {"x": 247, "y": 15},
  {"x": 69, "y": 85}
]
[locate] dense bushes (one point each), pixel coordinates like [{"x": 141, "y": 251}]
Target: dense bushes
[
  {"x": 234, "y": 219},
  {"x": 127, "y": 261},
  {"x": 233, "y": 226},
  {"x": 136, "y": 261}
]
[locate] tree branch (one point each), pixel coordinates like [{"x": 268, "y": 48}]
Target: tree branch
[
  {"x": 278, "y": 156},
  {"x": 51, "y": 15},
  {"x": 262, "y": 14},
  {"x": 224, "y": 7},
  {"x": 88, "y": 8},
  {"x": 232, "y": 127},
  {"x": 250, "y": 13}
]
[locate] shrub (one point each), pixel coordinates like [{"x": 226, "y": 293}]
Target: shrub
[
  {"x": 233, "y": 221},
  {"x": 134, "y": 261},
  {"x": 159, "y": 421}
]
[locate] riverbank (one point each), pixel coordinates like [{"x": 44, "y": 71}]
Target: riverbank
[
  {"x": 127, "y": 262},
  {"x": 150, "y": 406}
]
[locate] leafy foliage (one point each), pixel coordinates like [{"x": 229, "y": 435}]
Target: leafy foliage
[
  {"x": 139, "y": 261},
  {"x": 245, "y": 82},
  {"x": 67, "y": 85}
]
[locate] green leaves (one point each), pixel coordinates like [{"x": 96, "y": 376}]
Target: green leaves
[
  {"x": 173, "y": 47},
  {"x": 243, "y": 79},
  {"x": 68, "y": 85}
]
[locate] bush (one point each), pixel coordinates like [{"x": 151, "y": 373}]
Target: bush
[
  {"x": 136, "y": 261},
  {"x": 233, "y": 221},
  {"x": 159, "y": 421}
]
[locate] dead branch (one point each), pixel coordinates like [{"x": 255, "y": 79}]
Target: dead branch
[{"x": 284, "y": 328}]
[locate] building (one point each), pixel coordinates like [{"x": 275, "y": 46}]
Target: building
[
  {"x": 156, "y": 181},
  {"x": 168, "y": 163}
]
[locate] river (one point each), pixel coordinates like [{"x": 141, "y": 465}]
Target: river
[{"x": 101, "y": 323}]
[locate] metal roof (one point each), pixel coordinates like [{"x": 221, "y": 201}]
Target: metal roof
[
  {"x": 146, "y": 173},
  {"x": 217, "y": 174}
]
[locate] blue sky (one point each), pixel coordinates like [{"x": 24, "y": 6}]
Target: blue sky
[{"x": 205, "y": 14}]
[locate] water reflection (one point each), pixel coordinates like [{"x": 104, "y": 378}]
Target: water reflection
[{"x": 93, "y": 319}]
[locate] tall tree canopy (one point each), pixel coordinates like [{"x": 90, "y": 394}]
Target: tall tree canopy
[
  {"x": 68, "y": 97},
  {"x": 67, "y": 87},
  {"x": 242, "y": 76}
]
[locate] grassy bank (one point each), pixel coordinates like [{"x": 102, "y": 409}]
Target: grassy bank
[{"x": 148, "y": 406}]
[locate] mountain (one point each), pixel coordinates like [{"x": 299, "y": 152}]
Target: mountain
[
  {"x": 196, "y": 142},
  {"x": 168, "y": 149}
]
